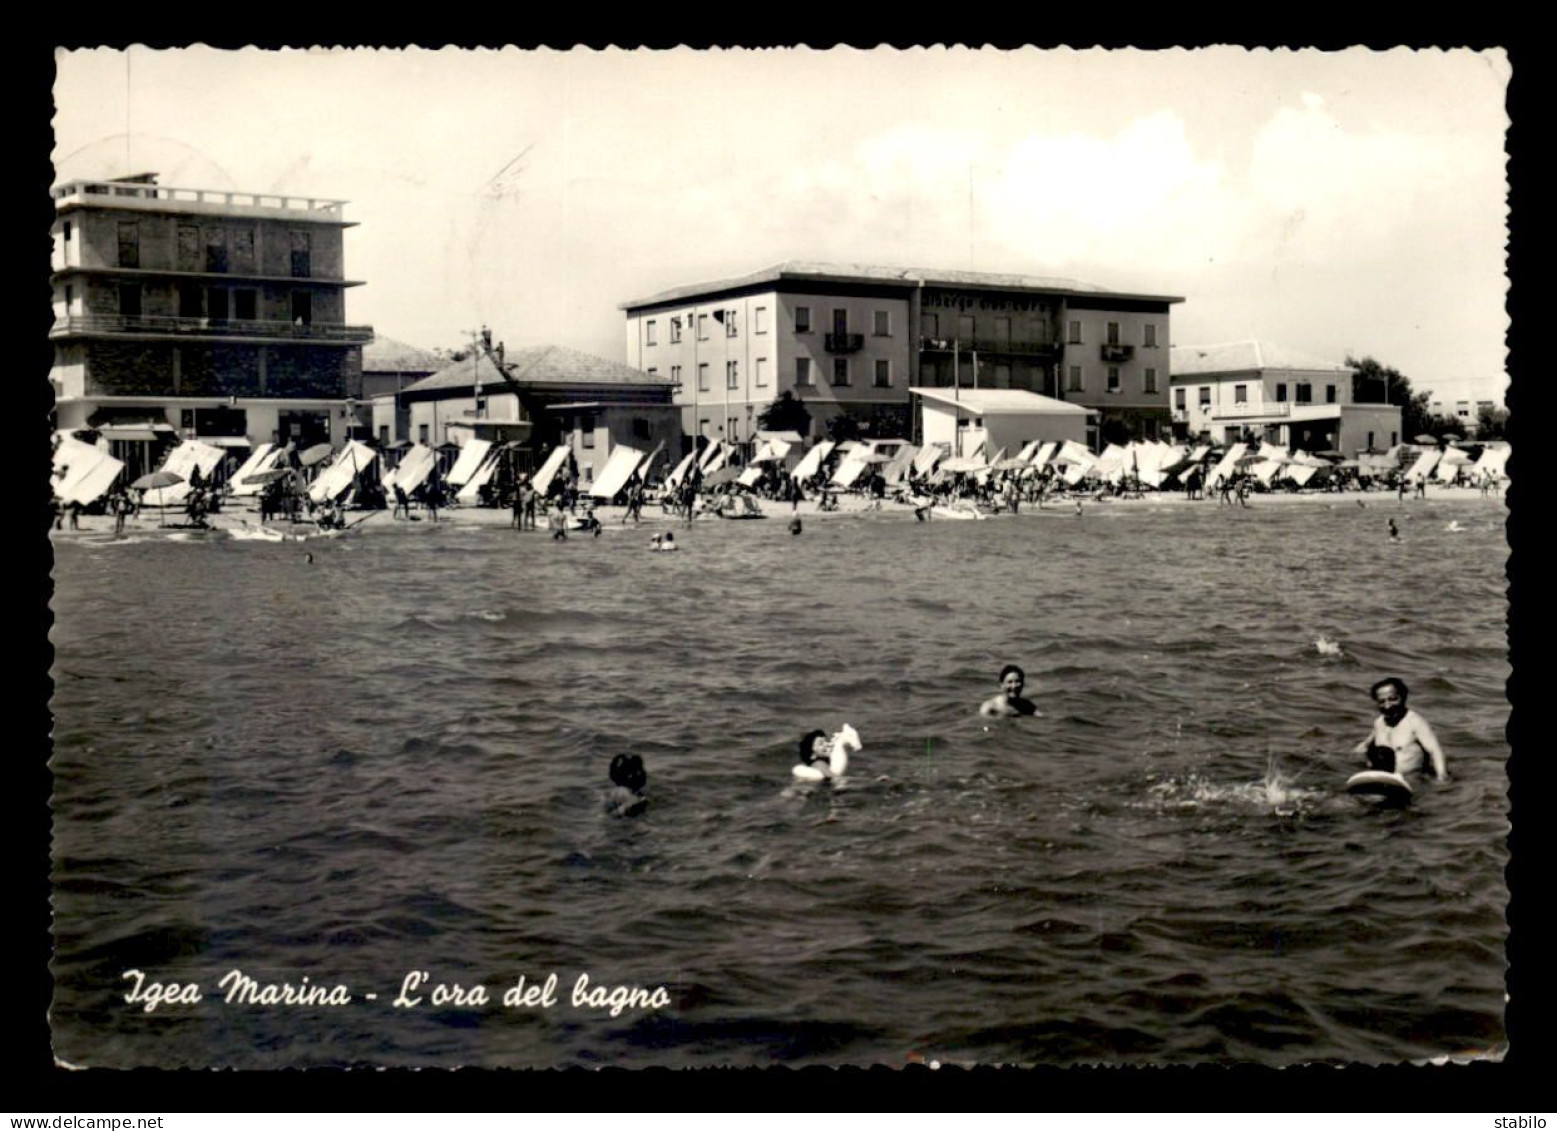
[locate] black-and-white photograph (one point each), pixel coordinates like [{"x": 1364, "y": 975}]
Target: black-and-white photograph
[{"x": 730, "y": 558}]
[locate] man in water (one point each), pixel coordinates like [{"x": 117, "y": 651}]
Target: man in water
[
  {"x": 1394, "y": 531},
  {"x": 1400, "y": 737},
  {"x": 1010, "y": 703}
]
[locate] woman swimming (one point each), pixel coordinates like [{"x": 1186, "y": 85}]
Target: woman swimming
[
  {"x": 825, "y": 756},
  {"x": 629, "y": 786},
  {"x": 1010, "y": 701}
]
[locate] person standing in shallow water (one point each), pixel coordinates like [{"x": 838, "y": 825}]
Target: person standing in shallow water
[
  {"x": 1010, "y": 702},
  {"x": 1400, "y": 740}
]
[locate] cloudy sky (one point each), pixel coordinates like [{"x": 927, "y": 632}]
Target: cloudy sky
[{"x": 1334, "y": 202}]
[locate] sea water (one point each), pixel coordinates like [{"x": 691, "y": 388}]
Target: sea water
[{"x": 381, "y": 771}]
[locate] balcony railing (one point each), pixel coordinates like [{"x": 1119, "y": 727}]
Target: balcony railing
[
  {"x": 986, "y": 345},
  {"x": 1279, "y": 408},
  {"x": 122, "y": 191},
  {"x": 208, "y": 327},
  {"x": 1117, "y": 353},
  {"x": 844, "y": 343}
]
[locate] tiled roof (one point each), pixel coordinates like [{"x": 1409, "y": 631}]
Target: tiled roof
[
  {"x": 868, "y": 273},
  {"x": 386, "y": 355},
  {"x": 998, "y": 402},
  {"x": 538, "y": 365},
  {"x": 1242, "y": 357}
]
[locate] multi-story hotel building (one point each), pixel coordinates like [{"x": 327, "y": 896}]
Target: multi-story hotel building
[
  {"x": 853, "y": 339},
  {"x": 200, "y": 313}
]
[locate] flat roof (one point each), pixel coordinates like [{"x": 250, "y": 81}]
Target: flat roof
[
  {"x": 1000, "y": 402},
  {"x": 908, "y": 278}
]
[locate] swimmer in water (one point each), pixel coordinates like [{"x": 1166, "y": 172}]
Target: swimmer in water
[
  {"x": 665, "y": 541},
  {"x": 828, "y": 755},
  {"x": 1400, "y": 737},
  {"x": 795, "y": 525},
  {"x": 629, "y": 786},
  {"x": 1394, "y": 531},
  {"x": 1010, "y": 703}
]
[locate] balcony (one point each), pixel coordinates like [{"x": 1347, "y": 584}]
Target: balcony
[
  {"x": 1116, "y": 353},
  {"x": 161, "y": 326},
  {"x": 136, "y": 195},
  {"x": 1279, "y": 408},
  {"x": 844, "y": 343},
  {"x": 987, "y": 345}
]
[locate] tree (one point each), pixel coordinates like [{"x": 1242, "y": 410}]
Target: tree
[
  {"x": 1491, "y": 423},
  {"x": 1374, "y": 383},
  {"x": 787, "y": 413}
]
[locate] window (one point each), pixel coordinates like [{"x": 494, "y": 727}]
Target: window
[
  {"x": 1205, "y": 396},
  {"x": 1281, "y": 392},
  {"x": 1149, "y": 335},
  {"x": 1074, "y": 337},
  {"x": 640, "y": 428},
  {"x": 1394, "y": 438},
  {"x": 1073, "y": 383},
  {"x": 762, "y": 372},
  {"x": 648, "y": 333},
  {"x": 586, "y": 426},
  {"x": 654, "y": 371},
  {"x": 130, "y": 300},
  {"x": 840, "y": 320},
  {"x": 216, "y": 303},
  {"x": 1150, "y": 385},
  {"x": 702, "y": 327},
  {"x": 732, "y": 429},
  {"x": 883, "y": 326},
  {"x": 803, "y": 371},
  {"x": 1178, "y": 399},
  {"x": 732, "y": 375},
  {"x": 1329, "y": 394},
  {"x": 1113, "y": 333},
  {"x": 191, "y": 300},
  {"x": 883, "y": 373},
  {"x": 675, "y": 330},
  {"x": 243, "y": 249},
  {"x": 67, "y": 231},
  {"x": 245, "y": 305},
  {"x": 675, "y": 375},
  {"x": 188, "y": 247},
  {"x": 383, "y": 435},
  {"x": 129, "y": 244},
  {"x": 302, "y": 308},
  {"x": 302, "y": 254},
  {"x": 1240, "y": 394},
  {"x": 216, "y": 251},
  {"x": 930, "y": 325},
  {"x": 70, "y": 297},
  {"x": 1113, "y": 379},
  {"x": 729, "y": 323},
  {"x": 702, "y": 430},
  {"x": 421, "y": 432},
  {"x": 760, "y": 320},
  {"x": 966, "y": 327},
  {"x": 1305, "y": 393},
  {"x": 1370, "y": 440},
  {"x": 802, "y": 319},
  {"x": 702, "y": 377},
  {"x": 840, "y": 371}
]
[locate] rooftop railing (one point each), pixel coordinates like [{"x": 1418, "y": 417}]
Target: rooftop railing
[
  {"x": 209, "y": 327},
  {"x": 116, "y": 191}
]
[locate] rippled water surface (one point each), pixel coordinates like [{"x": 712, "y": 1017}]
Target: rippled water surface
[{"x": 391, "y": 759}]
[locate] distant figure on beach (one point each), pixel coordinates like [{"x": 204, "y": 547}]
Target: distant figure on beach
[
  {"x": 557, "y": 521},
  {"x": 629, "y": 786},
  {"x": 1243, "y": 491},
  {"x": 1421, "y": 486},
  {"x": 1394, "y": 531},
  {"x": 1078, "y": 508},
  {"x": 1010, "y": 702},
  {"x": 1400, "y": 737},
  {"x": 402, "y": 503},
  {"x": 530, "y": 496},
  {"x": 121, "y": 506}
]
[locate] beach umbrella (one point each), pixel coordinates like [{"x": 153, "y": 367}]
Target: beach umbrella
[
  {"x": 156, "y": 481},
  {"x": 270, "y": 476},
  {"x": 721, "y": 476},
  {"x": 314, "y": 455},
  {"x": 1450, "y": 436},
  {"x": 1424, "y": 438}
]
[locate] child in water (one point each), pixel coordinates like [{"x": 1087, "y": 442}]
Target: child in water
[{"x": 629, "y": 786}]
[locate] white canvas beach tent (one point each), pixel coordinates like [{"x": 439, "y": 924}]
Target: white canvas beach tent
[
  {"x": 182, "y": 461},
  {"x": 1424, "y": 465},
  {"x": 1493, "y": 461},
  {"x": 679, "y": 472},
  {"x": 1224, "y": 467},
  {"x": 618, "y": 469},
  {"x": 749, "y": 477},
  {"x": 1301, "y": 473},
  {"x": 850, "y": 469},
  {"x": 261, "y": 459},
  {"x": 335, "y": 480},
  {"x": 1449, "y": 465},
  {"x": 928, "y": 457},
  {"x": 415, "y": 468},
  {"x": 471, "y": 457},
  {"x": 541, "y": 480},
  {"x": 471, "y": 492},
  {"x": 85, "y": 472},
  {"x": 897, "y": 470},
  {"x": 812, "y": 461}
]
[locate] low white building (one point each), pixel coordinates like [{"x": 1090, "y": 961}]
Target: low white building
[
  {"x": 1254, "y": 390},
  {"x": 963, "y": 419}
]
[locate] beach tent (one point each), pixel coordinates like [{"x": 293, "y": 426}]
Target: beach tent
[
  {"x": 89, "y": 473},
  {"x": 849, "y": 471},
  {"x": 897, "y": 468},
  {"x": 1449, "y": 465},
  {"x": 1423, "y": 466},
  {"x": 679, "y": 472},
  {"x": 1301, "y": 473},
  {"x": 928, "y": 457},
  {"x": 812, "y": 461},
  {"x": 1226, "y": 464},
  {"x": 714, "y": 451},
  {"x": 1044, "y": 454},
  {"x": 471, "y": 457},
  {"x": 262, "y": 458},
  {"x": 772, "y": 451},
  {"x": 182, "y": 461},
  {"x": 1493, "y": 461},
  {"x": 1265, "y": 470},
  {"x": 541, "y": 481},
  {"x": 617, "y": 471},
  {"x": 415, "y": 468},
  {"x": 1029, "y": 450},
  {"x": 471, "y": 492},
  {"x": 966, "y": 465},
  {"x": 335, "y": 480},
  {"x": 749, "y": 477}
]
